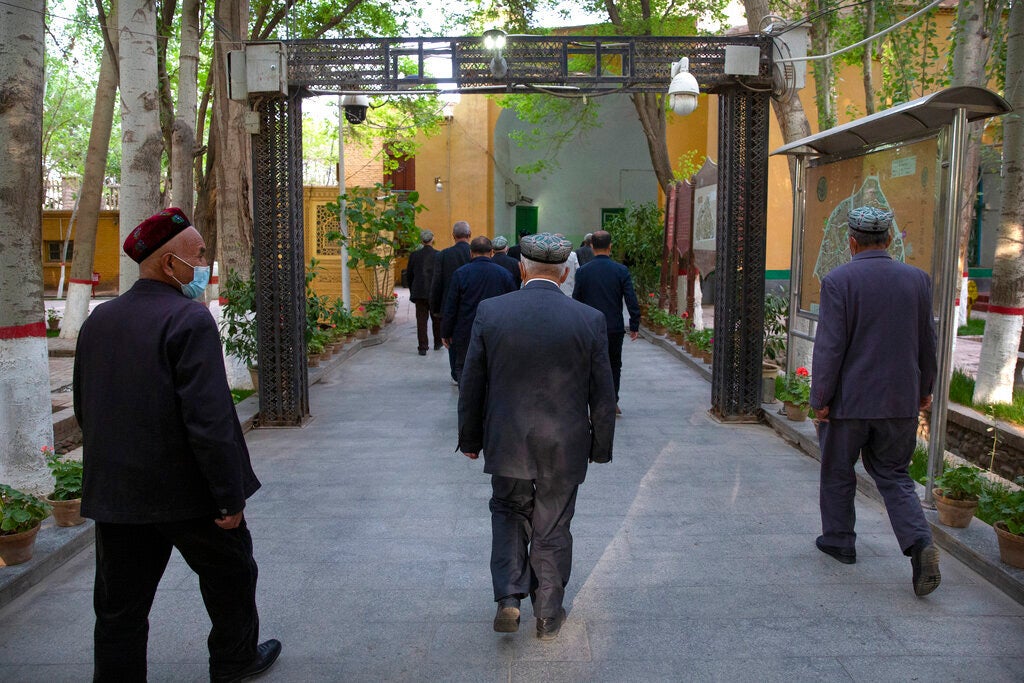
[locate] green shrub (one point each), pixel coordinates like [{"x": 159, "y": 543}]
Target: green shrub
[
  {"x": 961, "y": 483},
  {"x": 67, "y": 475},
  {"x": 19, "y": 511},
  {"x": 999, "y": 504}
]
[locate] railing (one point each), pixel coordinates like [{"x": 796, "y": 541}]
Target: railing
[{"x": 61, "y": 194}]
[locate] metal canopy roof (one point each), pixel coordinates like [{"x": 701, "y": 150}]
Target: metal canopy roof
[{"x": 908, "y": 120}]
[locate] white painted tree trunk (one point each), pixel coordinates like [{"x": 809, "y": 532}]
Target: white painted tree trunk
[
  {"x": 25, "y": 416},
  {"x": 183, "y": 136},
  {"x": 76, "y": 309},
  {"x": 1006, "y": 302},
  {"x": 141, "y": 140}
]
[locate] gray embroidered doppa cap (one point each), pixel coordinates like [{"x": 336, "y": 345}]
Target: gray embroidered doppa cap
[
  {"x": 499, "y": 243},
  {"x": 869, "y": 219},
  {"x": 545, "y": 248}
]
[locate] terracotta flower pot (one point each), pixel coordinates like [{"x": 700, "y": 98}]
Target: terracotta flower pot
[
  {"x": 1011, "y": 546},
  {"x": 362, "y": 333},
  {"x": 66, "y": 512},
  {"x": 312, "y": 361},
  {"x": 254, "y": 375},
  {"x": 389, "y": 310},
  {"x": 375, "y": 329},
  {"x": 794, "y": 412},
  {"x": 955, "y": 513},
  {"x": 17, "y": 548},
  {"x": 769, "y": 371}
]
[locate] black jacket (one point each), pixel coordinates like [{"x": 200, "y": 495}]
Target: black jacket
[
  {"x": 446, "y": 262},
  {"x": 536, "y": 395},
  {"x": 161, "y": 439},
  {"x": 511, "y": 265},
  {"x": 605, "y": 284},
  {"x": 420, "y": 273},
  {"x": 479, "y": 279}
]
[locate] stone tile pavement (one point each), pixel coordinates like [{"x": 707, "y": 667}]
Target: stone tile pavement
[{"x": 695, "y": 556}]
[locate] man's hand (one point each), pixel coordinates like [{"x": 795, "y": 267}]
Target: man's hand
[
  {"x": 633, "y": 334},
  {"x": 926, "y": 402},
  {"x": 471, "y": 456},
  {"x": 447, "y": 342},
  {"x": 821, "y": 414},
  {"x": 230, "y": 521}
]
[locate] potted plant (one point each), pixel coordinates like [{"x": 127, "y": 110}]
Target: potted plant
[
  {"x": 956, "y": 493},
  {"x": 66, "y": 499},
  {"x": 381, "y": 226},
  {"x": 53, "y": 317},
  {"x": 1008, "y": 508},
  {"x": 20, "y": 515},
  {"x": 238, "y": 321},
  {"x": 702, "y": 342},
  {"x": 794, "y": 390}
]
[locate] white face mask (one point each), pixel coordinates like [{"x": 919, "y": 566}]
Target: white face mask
[{"x": 200, "y": 278}]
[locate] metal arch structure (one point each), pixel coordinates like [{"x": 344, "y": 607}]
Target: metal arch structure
[{"x": 585, "y": 64}]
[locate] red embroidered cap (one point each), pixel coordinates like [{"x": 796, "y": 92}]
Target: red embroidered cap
[{"x": 154, "y": 232}]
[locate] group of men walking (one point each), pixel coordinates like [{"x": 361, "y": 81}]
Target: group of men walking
[{"x": 166, "y": 464}]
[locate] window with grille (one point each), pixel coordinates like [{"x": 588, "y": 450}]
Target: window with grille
[
  {"x": 326, "y": 221},
  {"x": 54, "y": 249}
]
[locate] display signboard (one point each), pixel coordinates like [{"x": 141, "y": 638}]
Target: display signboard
[{"x": 903, "y": 179}]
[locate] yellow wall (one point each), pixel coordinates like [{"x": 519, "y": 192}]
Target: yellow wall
[
  {"x": 460, "y": 155},
  {"x": 105, "y": 261}
]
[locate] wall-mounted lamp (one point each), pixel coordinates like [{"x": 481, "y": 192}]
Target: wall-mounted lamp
[
  {"x": 683, "y": 90},
  {"x": 494, "y": 42},
  {"x": 438, "y": 184}
]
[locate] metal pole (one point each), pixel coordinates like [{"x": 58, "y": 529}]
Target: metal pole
[
  {"x": 346, "y": 286},
  {"x": 947, "y": 296},
  {"x": 795, "y": 255}
]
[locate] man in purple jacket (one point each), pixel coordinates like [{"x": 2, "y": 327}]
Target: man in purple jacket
[{"x": 873, "y": 371}]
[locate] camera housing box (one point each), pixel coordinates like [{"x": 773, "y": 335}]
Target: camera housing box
[{"x": 266, "y": 68}]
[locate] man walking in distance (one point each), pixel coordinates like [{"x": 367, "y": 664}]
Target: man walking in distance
[
  {"x": 479, "y": 279},
  {"x": 166, "y": 465},
  {"x": 420, "y": 271},
  {"x": 446, "y": 262},
  {"x": 585, "y": 252},
  {"x": 502, "y": 258},
  {"x": 605, "y": 284},
  {"x": 537, "y": 400},
  {"x": 873, "y": 369}
]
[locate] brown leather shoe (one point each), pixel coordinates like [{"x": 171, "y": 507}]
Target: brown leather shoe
[
  {"x": 507, "y": 618},
  {"x": 548, "y": 627}
]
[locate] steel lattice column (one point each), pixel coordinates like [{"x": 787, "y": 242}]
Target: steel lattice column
[
  {"x": 740, "y": 253},
  {"x": 280, "y": 263}
]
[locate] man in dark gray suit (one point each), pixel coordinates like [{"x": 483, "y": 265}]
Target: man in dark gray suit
[
  {"x": 446, "y": 262},
  {"x": 421, "y": 273},
  {"x": 873, "y": 369},
  {"x": 537, "y": 399}
]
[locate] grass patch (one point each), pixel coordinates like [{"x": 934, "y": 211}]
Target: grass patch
[
  {"x": 973, "y": 328},
  {"x": 239, "y": 395},
  {"x": 961, "y": 391},
  {"x": 919, "y": 466}
]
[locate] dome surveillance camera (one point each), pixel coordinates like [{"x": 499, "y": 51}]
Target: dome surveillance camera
[
  {"x": 683, "y": 90},
  {"x": 355, "y": 107}
]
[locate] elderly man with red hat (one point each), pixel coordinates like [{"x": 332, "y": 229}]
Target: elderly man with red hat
[{"x": 166, "y": 465}]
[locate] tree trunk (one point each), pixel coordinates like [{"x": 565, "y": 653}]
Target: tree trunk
[
  {"x": 867, "y": 61},
  {"x": 183, "y": 134},
  {"x": 231, "y": 147},
  {"x": 824, "y": 71},
  {"x": 1003, "y": 320},
  {"x": 76, "y": 310},
  {"x": 141, "y": 141},
  {"x": 25, "y": 417},
  {"x": 650, "y": 108}
]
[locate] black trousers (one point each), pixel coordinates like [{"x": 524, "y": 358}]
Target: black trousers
[
  {"x": 422, "y": 316},
  {"x": 131, "y": 558},
  {"x": 886, "y": 447},
  {"x": 615, "y": 340},
  {"x": 531, "y": 545}
]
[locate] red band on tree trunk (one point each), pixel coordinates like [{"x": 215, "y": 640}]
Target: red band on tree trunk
[
  {"x": 1005, "y": 310},
  {"x": 23, "y": 331}
]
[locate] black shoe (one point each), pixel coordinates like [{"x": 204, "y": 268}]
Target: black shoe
[
  {"x": 844, "y": 555},
  {"x": 266, "y": 654},
  {"x": 548, "y": 627},
  {"x": 438, "y": 347},
  {"x": 924, "y": 558},
  {"x": 507, "y": 618},
  {"x": 423, "y": 352}
]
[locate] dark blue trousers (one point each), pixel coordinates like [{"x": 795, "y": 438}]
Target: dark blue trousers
[
  {"x": 131, "y": 558},
  {"x": 531, "y": 546},
  {"x": 886, "y": 447}
]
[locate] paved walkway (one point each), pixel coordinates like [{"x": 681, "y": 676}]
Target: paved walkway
[{"x": 695, "y": 557}]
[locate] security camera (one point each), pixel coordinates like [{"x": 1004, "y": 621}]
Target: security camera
[
  {"x": 683, "y": 90},
  {"x": 355, "y": 108}
]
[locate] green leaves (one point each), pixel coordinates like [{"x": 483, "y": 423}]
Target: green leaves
[
  {"x": 67, "y": 476},
  {"x": 961, "y": 483},
  {"x": 19, "y": 511},
  {"x": 637, "y": 243}
]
